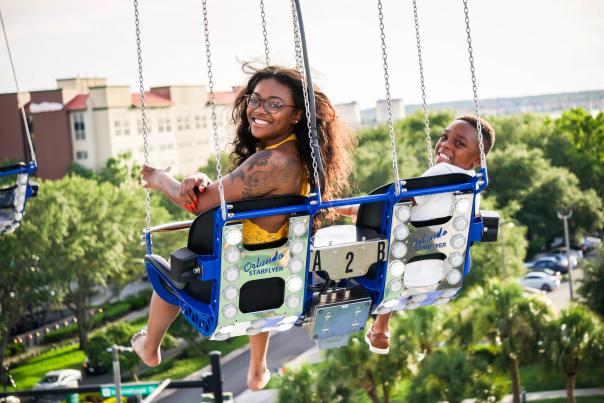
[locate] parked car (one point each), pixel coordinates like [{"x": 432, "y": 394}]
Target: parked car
[
  {"x": 591, "y": 242},
  {"x": 575, "y": 255},
  {"x": 92, "y": 367},
  {"x": 62, "y": 378},
  {"x": 547, "y": 263},
  {"x": 541, "y": 281}
]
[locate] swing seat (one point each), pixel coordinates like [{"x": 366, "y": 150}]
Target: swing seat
[
  {"x": 427, "y": 259},
  {"x": 13, "y": 198},
  {"x": 225, "y": 288}
]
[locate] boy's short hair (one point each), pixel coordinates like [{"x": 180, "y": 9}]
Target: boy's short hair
[{"x": 488, "y": 133}]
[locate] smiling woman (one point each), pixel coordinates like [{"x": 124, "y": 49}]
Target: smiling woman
[{"x": 272, "y": 158}]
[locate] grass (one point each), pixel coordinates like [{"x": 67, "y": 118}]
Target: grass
[
  {"x": 28, "y": 375},
  {"x": 182, "y": 366}
]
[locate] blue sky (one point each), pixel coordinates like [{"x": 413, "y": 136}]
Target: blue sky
[{"x": 521, "y": 47}]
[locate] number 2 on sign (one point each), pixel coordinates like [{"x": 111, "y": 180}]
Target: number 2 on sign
[{"x": 350, "y": 258}]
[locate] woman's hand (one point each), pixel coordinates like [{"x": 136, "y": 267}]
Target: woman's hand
[
  {"x": 191, "y": 187},
  {"x": 151, "y": 177}
]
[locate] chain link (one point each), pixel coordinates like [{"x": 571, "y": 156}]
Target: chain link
[
  {"x": 397, "y": 183},
  {"x": 206, "y": 32},
  {"x": 20, "y": 103},
  {"x": 302, "y": 71},
  {"x": 423, "y": 86},
  {"x": 139, "y": 54},
  {"x": 483, "y": 159},
  {"x": 264, "y": 33}
]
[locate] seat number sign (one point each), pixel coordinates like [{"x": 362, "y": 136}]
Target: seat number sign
[{"x": 350, "y": 260}]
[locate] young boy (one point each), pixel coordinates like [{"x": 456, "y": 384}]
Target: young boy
[{"x": 457, "y": 151}]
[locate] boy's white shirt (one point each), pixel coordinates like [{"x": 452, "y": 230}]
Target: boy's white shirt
[
  {"x": 440, "y": 204},
  {"x": 430, "y": 272}
]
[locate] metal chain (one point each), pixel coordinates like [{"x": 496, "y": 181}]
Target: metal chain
[
  {"x": 397, "y": 183},
  {"x": 206, "y": 33},
  {"x": 423, "y": 86},
  {"x": 483, "y": 159},
  {"x": 302, "y": 71},
  {"x": 19, "y": 100},
  {"x": 143, "y": 113},
  {"x": 264, "y": 33}
]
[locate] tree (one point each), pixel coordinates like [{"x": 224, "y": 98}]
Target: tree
[
  {"x": 25, "y": 281},
  {"x": 592, "y": 283},
  {"x": 558, "y": 190},
  {"x": 355, "y": 367},
  {"x": 574, "y": 338},
  {"x": 577, "y": 143},
  {"x": 81, "y": 235},
  {"x": 511, "y": 322},
  {"x": 451, "y": 374},
  {"x": 504, "y": 165},
  {"x": 299, "y": 386}
]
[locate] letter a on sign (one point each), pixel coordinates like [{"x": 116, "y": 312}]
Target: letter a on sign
[{"x": 316, "y": 266}]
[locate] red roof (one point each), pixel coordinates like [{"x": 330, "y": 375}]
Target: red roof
[
  {"x": 225, "y": 97},
  {"x": 77, "y": 103},
  {"x": 152, "y": 100}
]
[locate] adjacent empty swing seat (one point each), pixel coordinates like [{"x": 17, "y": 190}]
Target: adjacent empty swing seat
[
  {"x": 14, "y": 197},
  {"x": 225, "y": 288}
]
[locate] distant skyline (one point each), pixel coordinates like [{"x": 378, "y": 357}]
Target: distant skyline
[{"x": 520, "y": 47}]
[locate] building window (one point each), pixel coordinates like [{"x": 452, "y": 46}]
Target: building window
[
  {"x": 168, "y": 125},
  {"x": 179, "y": 123},
  {"x": 160, "y": 125},
  {"x": 117, "y": 125},
  {"x": 187, "y": 126},
  {"x": 79, "y": 129},
  {"x": 126, "y": 125},
  {"x": 81, "y": 155}
]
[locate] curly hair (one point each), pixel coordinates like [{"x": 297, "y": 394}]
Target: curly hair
[{"x": 335, "y": 142}]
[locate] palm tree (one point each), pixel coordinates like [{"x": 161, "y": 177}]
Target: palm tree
[
  {"x": 512, "y": 322},
  {"x": 574, "y": 338}
]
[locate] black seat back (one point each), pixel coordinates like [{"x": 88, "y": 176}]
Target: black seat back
[
  {"x": 201, "y": 234},
  {"x": 370, "y": 214}
]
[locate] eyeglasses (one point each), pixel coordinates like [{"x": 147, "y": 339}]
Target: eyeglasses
[{"x": 271, "y": 105}]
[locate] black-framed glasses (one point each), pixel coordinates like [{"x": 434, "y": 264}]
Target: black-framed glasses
[{"x": 271, "y": 105}]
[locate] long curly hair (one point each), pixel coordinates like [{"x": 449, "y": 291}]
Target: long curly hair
[{"x": 336, "y": 143}]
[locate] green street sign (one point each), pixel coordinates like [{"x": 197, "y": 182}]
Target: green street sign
[{"x": 130, "y": 389}]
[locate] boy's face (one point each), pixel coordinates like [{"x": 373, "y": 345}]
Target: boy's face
[{"x": 458, "y": 145}]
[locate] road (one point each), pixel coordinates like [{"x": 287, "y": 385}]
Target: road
[
  {"x": 561, "y": 296},
  {"x": 283, "y": 348}
]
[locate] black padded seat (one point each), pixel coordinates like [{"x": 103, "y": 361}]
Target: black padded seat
[
  {"x": 423, "y": 182},
  {"x": 370, "y": 214},
  {"x": 201, "y": 242},
  {"x": 201, "y": 234}
]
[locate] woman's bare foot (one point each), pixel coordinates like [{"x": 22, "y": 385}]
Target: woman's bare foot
[
  {"x": 258, "y": 380},
  {"x": 150, "y": 357}
]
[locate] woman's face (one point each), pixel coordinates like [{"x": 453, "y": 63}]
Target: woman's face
[{"x": 280, "y": 118}]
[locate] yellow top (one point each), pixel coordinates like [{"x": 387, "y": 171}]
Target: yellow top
[{"x": 254, "y": 234}]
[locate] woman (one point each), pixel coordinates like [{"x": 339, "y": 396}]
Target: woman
[{"x": 272, "y": 157}]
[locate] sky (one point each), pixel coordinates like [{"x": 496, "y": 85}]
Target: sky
[{"x": 521, "y": 47}]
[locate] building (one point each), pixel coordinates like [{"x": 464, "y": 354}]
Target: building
[
  {"x": 350, "y": 114},
  {"x": 381, "y": 110},
  {"x": 87, "y": 121}
]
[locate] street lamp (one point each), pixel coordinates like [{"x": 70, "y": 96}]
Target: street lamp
[{"x": 565, "y": 217}]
